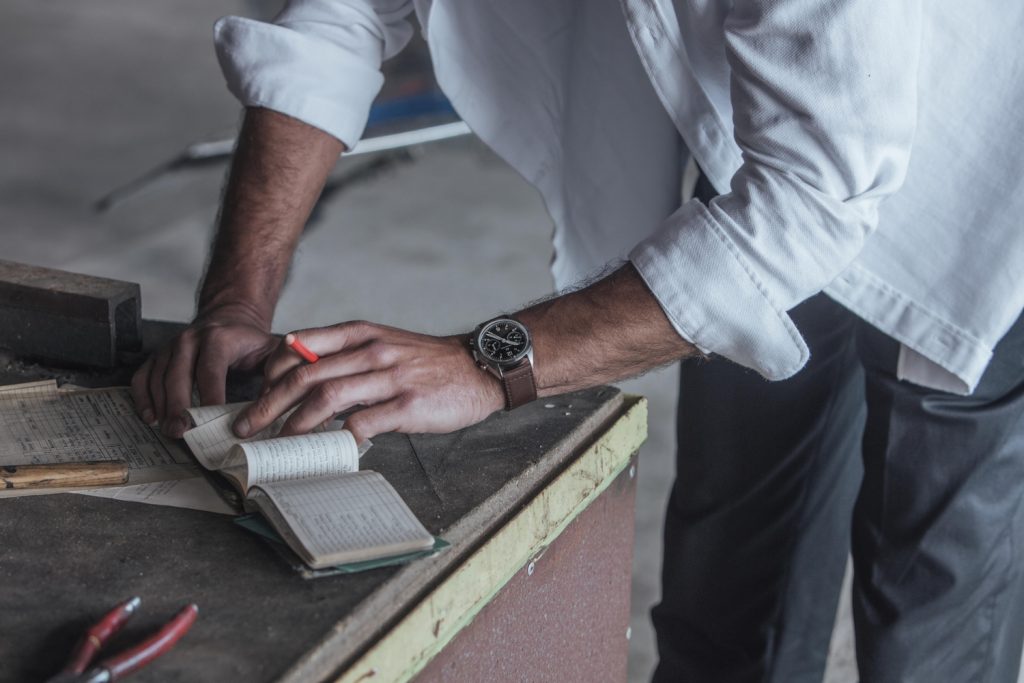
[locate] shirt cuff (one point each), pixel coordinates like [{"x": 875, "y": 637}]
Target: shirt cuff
[
  {"x": 301, "y": 75},
  {"x": 713, "y": 298}
]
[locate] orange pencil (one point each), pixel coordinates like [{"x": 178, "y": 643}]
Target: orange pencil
[{"x": 298, "y": 347}]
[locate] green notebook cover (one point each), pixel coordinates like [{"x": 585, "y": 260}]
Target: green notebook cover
[{"x": 259, "y": 526}]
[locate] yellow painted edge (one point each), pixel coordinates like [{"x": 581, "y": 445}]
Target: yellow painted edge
[{"x": 402, "y": 652}]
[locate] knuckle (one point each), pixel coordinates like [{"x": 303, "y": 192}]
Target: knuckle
[
  {"x": 358, "y": 328},
  {"x": 380, "y": 353},
  {"x": 346, "y": 328},
  {"x": 216, "y": 337},
  {"x": 296, "y": 381},
  {"x": 301, "y": 376},
  {"x": 262, "y": 409},
  {"x": 328, "y": 394},
  {"x": 186, "y": 340}
]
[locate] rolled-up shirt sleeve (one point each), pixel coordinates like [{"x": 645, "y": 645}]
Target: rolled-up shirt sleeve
[
  {"x": 318, "y": 61},
  {"x": 824, "y": 109}
]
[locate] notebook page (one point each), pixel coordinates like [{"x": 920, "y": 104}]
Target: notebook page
[
  {"x": 195, "y": 493},
  {"x": 39, "y": 426},
  {"x": 294, "y": 457},
  {"x": 347, "y": 518},
  {"x": 211, "y": 442},
  {"x": 202, "y": 414},
  {"x": 45, "y": 387}
]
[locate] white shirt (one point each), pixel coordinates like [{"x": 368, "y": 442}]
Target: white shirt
[{"x": 869, "y": 150}]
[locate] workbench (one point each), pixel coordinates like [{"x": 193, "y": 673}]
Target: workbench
[{"x": 537, "y": 505}]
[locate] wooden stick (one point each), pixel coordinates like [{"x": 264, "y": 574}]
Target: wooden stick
[{"x": 65, "y": 475}]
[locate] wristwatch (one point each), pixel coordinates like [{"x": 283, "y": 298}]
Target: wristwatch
[{"x": 503, "y": 347}]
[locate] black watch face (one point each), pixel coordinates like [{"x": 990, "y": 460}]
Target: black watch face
[{"x": 503, "y": 341}]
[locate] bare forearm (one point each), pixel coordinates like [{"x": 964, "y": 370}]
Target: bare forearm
[
  {"x": 606, "y": 332},
  {"x": 278, "y": 172},
  {"x": 416, "y": 383}
]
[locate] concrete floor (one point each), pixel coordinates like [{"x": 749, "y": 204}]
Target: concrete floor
[{"x": 95, "y": 94}]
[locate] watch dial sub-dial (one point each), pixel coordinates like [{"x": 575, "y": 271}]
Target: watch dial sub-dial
[{"x": 503, "y": 341}]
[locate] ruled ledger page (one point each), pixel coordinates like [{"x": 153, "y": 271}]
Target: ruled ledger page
[
  {"x": 202, "y": 414},
  {"x": 347, "y": 518},
  {"x": 319, "y": 454},
  {"x": 211, "y": 441},
  {"x": 41, "y": 425}
]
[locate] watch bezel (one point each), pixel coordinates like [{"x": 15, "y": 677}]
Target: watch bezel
[{"x": 502, "y": 363}]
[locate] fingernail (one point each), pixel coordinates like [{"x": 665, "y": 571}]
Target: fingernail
[
  {"x": 148, "y": 416},
  {"x": 242, "y": 427}
]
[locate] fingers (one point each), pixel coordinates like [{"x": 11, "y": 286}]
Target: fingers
[
  {"x": 279, "y": 363},
  {"x": 301, "y": 380},
  {"x": 211, "y": 376},
  {"x": 201, "y": 355},
  {"x": 323, "y": 341},
  {"x": 140, "y": 392},
  {"x": 156, "y": 383},
  {"x": 378, "y": 419},
  {"x": 335, "y": 396},
  {"x": 409, "y": 381},
  {"x": 162, "y": 387},
  {"x": 177, "y": 385}
]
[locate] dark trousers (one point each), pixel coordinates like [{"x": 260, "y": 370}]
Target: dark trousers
[
  {"x": 777, "y": 482},
  {"x": 772, "y": 478}
]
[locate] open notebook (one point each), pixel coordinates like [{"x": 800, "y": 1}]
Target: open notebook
[{"x": 309, "y": 488}]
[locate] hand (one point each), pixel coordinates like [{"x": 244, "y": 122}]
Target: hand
[
  {"x": 229, "y": 336},
  {"x": 409, "y": 382}
]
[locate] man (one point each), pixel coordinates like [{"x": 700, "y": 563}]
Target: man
[{"x": 803, "y": 115}]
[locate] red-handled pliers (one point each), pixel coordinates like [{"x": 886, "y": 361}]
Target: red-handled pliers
[{"x": 120, "y": 665}]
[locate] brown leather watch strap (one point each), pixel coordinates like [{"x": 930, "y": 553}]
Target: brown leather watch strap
[{"x": 519, "y": 385}]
